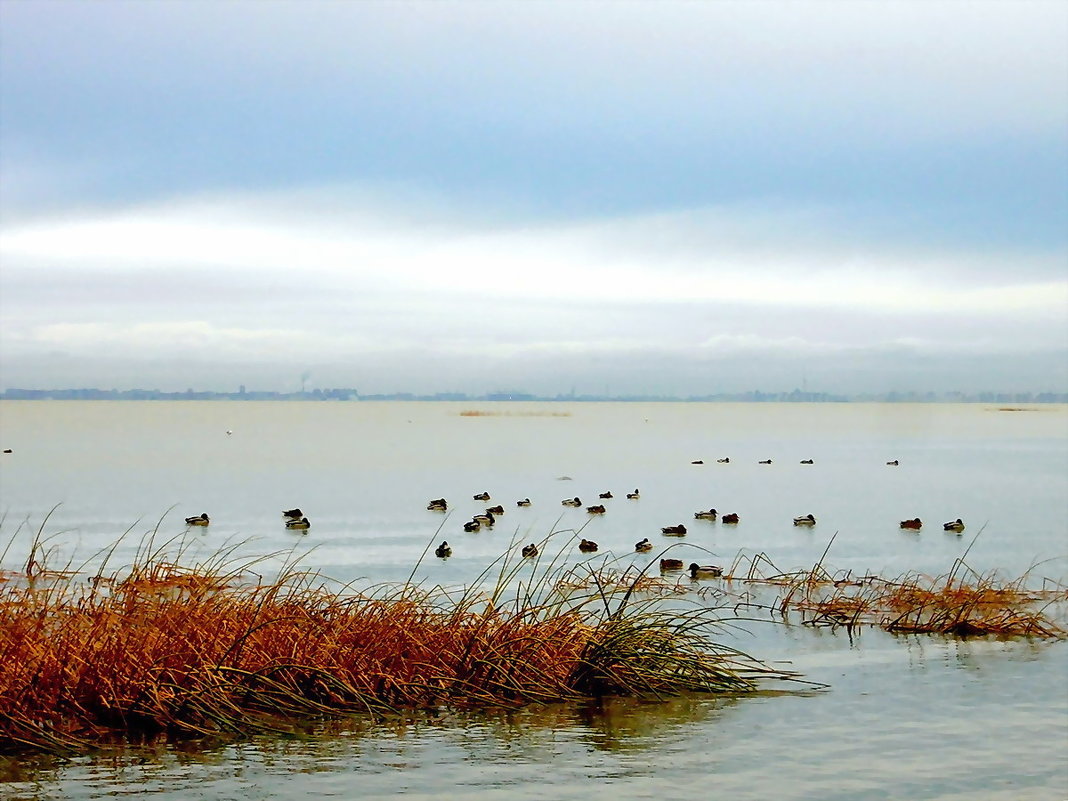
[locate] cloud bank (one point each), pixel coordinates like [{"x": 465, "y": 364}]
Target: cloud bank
[{"x": 671, "y": 199}]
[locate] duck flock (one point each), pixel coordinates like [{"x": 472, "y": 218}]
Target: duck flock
[
  {"x": 295, "y": 520},
  {"x": 489, "y": 517}
]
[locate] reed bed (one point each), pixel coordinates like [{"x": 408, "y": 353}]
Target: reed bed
[
  {"x": 165, "y": 649},
  {"x": 918, "y": 604},
  {"x": 961, "y": 602}
]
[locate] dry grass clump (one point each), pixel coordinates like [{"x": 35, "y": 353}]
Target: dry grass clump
[
  {"x": 158, "y": 648},
  {"x": 959, "y": 603},
  {"x": 915, "y": 604},
  {"x": 609, "y": 580}
]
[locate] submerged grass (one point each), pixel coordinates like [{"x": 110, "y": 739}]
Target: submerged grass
[{"x": 206, "y": 649}]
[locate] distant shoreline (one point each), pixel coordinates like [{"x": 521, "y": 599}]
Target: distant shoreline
[{"x": 1006, "y": 401}]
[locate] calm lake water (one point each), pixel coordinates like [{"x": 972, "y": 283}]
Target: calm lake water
[{"x": 904, "y": 717}]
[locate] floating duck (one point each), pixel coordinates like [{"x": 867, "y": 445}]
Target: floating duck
[
  {"x": 674, "y": 531},
  {"x": 729, "y": 519},
  {"x": 605, "y": 494},
  {"x": 914, "y": 524},
  {"x": 954, "y": 525},
  {"x": 495, "y": 510},
  {"x": 436, "y": 505},
  {"x": 293, "y": 513},
  {"x": 704, "y": 571},
  {"x": 806, "y": 461},
  {"x": 486, "y": 519},
  {"x": 524, "y": 502},
  {"x": 472, "y": 525},
  {"x": 698, "y": 461},
  {"x": 671, "y": 564},
  {"x": 571, "y": 502},
  {"x": 530, "y": 550},
  {"x": 598, "y": 509},
  {"x": 443, "y": 551},
  {"x": 588, "y": 546},
  {"x": 893, "y": 462},
  {"x": 807, "y": 520},
  {"x": 298, "y": 524},
  {"x": 634, "y": 495},
  {"x": 724, "y": 460},
  {"x": 764, "y": 461},
  {"x": 711, "y": 514},
  {"x": 198, "y": 520},
  {"x": 644, "y": 546},
  {"x": 482, "y": 496}
]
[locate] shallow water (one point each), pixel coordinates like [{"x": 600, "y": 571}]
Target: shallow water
[{"x": 904, "y": 717}]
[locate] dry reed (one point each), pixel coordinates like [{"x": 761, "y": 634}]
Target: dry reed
[
  {"x": 162, "y": 649},
  {"x": 959, "y": 603}
]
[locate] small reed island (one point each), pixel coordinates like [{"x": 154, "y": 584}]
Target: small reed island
[{"x": 162, "y": 649}]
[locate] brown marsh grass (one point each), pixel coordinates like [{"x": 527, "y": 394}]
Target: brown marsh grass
[
  {"x": 961, "y": 602},
  {"x": 164, "y": 648}
]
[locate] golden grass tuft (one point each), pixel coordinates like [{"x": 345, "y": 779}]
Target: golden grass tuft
[
  {"x": 188, "y": 651},
  {"x": 959, "y": 603}
]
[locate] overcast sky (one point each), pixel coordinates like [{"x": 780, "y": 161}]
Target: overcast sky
[{"x": 632, "y": 197}]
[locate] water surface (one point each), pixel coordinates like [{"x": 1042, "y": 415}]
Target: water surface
[{"x": 905, "y": 717}]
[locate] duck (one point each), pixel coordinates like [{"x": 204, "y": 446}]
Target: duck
[
  {"x": 524, "y": 502},
  {"x": 596, "y": 510},
  {"x": 530, "y": 550},
  {"x": 806, "y": 461},
  {"x": 698, "y": 461},
  {"x": 954, "y": 525},
  {"x": 704, "y": 571},
  {"x": 671, "y": 564},
  {"x": 198, "y": 520},
  {"x": 674, "y": 531},
  {"x": 711, "y": 514},
  {"x": 644, "y": 546},
  {"x": 634, "y": 495},
  {"x": 298, "y": 524},
  {"x": 571, "y": 502},
  {"x": 605, "y": 495},
  {"x": 299, "y": 514},
  {"x": 495, "y": 510},
  {"x": 914, "y": 524},
  {"x": 482, "y": 496},
  {"x": 730, "y": 519},
  {"x": 436, "y": 505},
  {"x": 472, "y": 525},
  {"x": 724, "y": 460},
  {"x": 764, "y": 461},
  {"x": 443, "y": 551},
  {"x": 587, "y": 546},
  {"x": 807, "y": 520},
  {"x": 486, "y": 519},
  {"x": 893, "y": 463}
]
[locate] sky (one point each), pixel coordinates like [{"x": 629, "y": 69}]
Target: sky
[{"x": 626, "y": 198}]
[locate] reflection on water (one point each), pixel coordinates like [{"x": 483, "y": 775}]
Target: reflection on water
[{"x": 535, "y": 735}]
